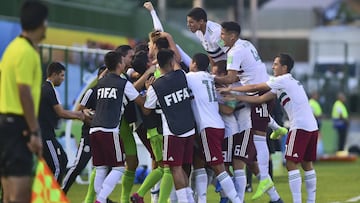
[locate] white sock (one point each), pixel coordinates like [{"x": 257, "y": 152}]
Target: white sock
[
  {"x": 201, "y": 182},
  {"x": 173, "y": 196},
  {"x": 310, "y": 181},
  {"x": 182, "y": 195},
  {"x": 273, "y": 124},
  {"x": 101, "y": 172},
  {"x": 110, "y": 182},
  {"x": 228, "y": 187},
  {"x": 295, "y": 185},
  {"x": 273, "y": 194},
  {"x": 240, "y": 183},
  {"x": 262, "y": 156},
  {"x": 190, "y": 195}
]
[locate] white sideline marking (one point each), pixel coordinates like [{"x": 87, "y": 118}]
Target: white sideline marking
[{"x": 354, "y": 199}]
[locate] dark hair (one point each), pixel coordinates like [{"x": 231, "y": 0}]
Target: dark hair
[
  {"x": 123, "y": 49},
  {"x": 231, "y": 26},
  {"x": 164, "y": 57},
  {"x": 33, "y": 14},
  {"x": 202, "y": 61},
  {"x": 143, "y": 46},
  {"x": 139, "y": 62},
  {"x": 160, "y": 42},
  {"x": 286, "y": 60},
  {"x": 112, "y": 58},
  {"x": 197, "y": 14},
  {"x": 101, "y": 69},
  {"x": 54, "y": 67}
]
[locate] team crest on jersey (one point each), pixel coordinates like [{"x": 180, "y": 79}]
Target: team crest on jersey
[
  {"x": 107, "y": 93},
  {"x": 176, "y": 97}
]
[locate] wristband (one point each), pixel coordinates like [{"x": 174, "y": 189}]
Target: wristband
[{"x": 29, "y": 134}]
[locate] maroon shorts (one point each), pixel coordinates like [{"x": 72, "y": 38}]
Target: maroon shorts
[
  {"x": 301, "y": 145},
  {"x": 260, "y": 115},
  {"x": 227, "y": 150},
  {"x": 107, "y": 149},
  {"x": 211, "y": 142},
  {"x": 178, "y": 150},
  {"x": 244, "y": 147}
]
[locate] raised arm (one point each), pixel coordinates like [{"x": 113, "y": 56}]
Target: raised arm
[
  {"x": 156, "y": 21},
  {"x": 256, "y": 99}
]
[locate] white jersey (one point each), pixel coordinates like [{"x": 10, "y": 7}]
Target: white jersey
[
  {"x": 212, "y": 42},
  {"x": 293, "y": 98},
  {"x": 205, "y": 103},
  {"x": 243, "y": 58},
  {"x": 151, "y": 103}
]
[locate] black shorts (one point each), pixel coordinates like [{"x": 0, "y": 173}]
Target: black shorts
[{"x": 15, "y": 157}]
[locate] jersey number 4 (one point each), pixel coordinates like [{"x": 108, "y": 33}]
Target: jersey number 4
[{"x": 262, "y": 111}]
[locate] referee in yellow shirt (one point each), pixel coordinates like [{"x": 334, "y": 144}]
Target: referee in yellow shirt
[{"x": 20, "y": 86}]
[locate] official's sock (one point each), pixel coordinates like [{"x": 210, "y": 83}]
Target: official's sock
[
  {"x": 262, "y": 155},
  {"x": 166, "y": 185},
  {"x": 240, "y": 183},
  {"x": 127, "y": 183},
  {"x": 295, "y": 185},
  {"x": 310, "y": 182},
  {"x": 201, "y": 183},
  {"x": 90, "y": 195},
  {"x": 150, "y": 180}
]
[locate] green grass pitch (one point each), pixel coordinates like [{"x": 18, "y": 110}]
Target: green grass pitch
[{"x": 336, "y": 182}]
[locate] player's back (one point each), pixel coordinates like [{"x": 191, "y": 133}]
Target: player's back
[
  {"x": 205, "y": 104},
  {"x": 244, "y": 58}
]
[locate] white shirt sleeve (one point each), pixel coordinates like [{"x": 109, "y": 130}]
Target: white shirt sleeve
[
  {"x": 275, "y": 84},
  {"x": 151, "y": 98},
  {"x": 130, "y": 91},
  {"x": 234, "y": 60},
  {"x": 156, "y": 21}
]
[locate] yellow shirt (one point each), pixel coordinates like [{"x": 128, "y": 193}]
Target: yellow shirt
[
  {"x": 20, "y": 64},
  {"x": 339, "y": 110},
  {"x": 316, "y": 108}
]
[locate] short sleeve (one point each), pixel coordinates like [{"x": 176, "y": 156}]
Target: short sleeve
[
  {"x": 151, "y": 98},
  {"x": 130, "y": 91},
  {"x": 26, "y": 67},
  {"x": 275, "y": 84},
  {"x": 233, "y": 61}
]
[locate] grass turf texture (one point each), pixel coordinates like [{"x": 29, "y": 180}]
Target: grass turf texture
[{"x": 336, "y": 182}]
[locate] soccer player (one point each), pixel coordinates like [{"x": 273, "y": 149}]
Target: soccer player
[
  {"x": 171, "y": 92},
  {"x": 244, "y": 64},
  {"x": 208, "y": 32},
  {"x": 106, "y": 146},
  {"x": 50, "y": 112},
  {"x": 20, "y": 89},
  {"x": 158, "y": 41},
  {"x": 302, "y": 138},
  {"x": 209, "y": 123}
]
